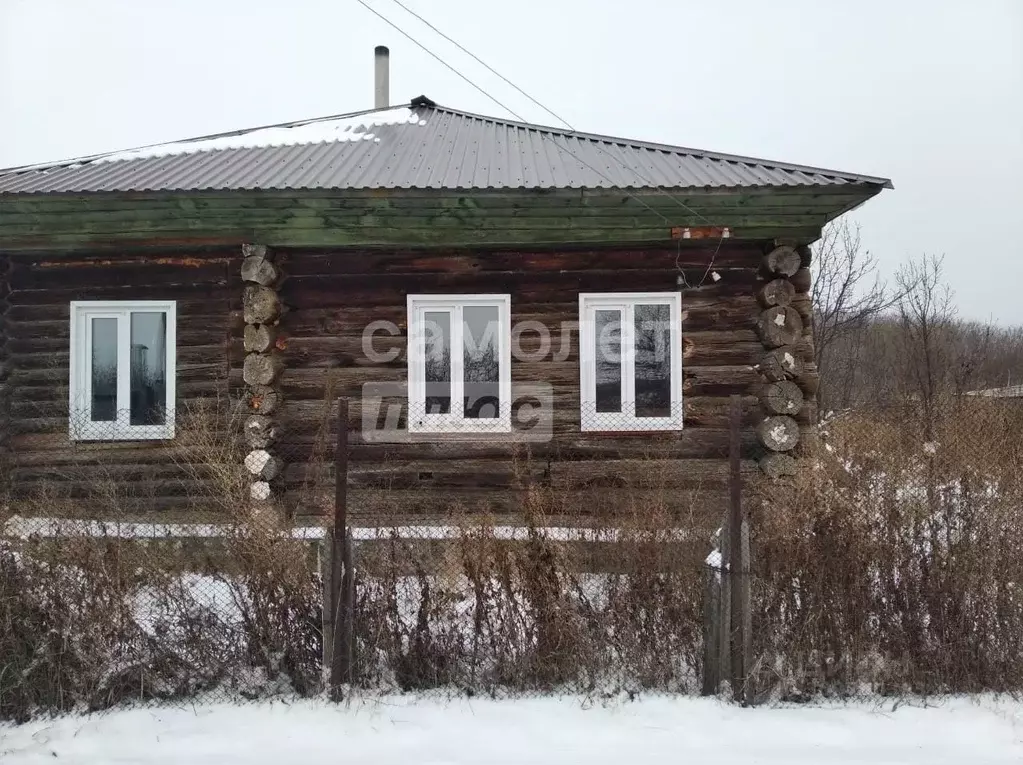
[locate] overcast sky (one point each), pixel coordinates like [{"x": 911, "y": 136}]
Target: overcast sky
[{"x": 928, "y": 92}]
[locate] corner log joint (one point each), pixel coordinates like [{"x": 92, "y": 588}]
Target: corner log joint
[{"x": 261, "y": 311}]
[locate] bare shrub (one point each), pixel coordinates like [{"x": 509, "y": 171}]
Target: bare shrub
[
  {"x": 95, "y": 611},
  {"x": 893, "y": 567},
  {"x": 483, "y": 613}
]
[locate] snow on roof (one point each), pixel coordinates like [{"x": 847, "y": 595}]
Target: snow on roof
[{"x": 328, "y": 130}]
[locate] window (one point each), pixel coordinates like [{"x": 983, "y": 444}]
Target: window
[
  {"x": 122, "y": 370},
  {"x": 459, "y": 363},
  {"x": 631, "y": 361}
]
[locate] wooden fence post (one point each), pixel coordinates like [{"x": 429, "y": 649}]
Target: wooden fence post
[
  {"x": 738, "y": 568},
  {"x": 341, "y": 582},
  {"x": 711, "y": 629}
]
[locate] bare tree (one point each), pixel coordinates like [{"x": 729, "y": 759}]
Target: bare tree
[
  {"x": 927, "y": 317},
  {"x": 847, "y": 293}
]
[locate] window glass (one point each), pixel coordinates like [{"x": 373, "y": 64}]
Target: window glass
[
  {"x": 481, "y": 362},
  {"x": 607, "y": 337},
  {"x": 148, "y": 389},
  {"x": 653, "y": 360},
  {"x": 103, "y": 406},
  {"x": 437, "y": 361}
]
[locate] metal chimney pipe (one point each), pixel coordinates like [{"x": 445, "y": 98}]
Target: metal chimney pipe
[{"x": 382, "y": 77}]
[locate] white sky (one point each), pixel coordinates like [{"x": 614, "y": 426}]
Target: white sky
[{"x": 926, "y": 92}]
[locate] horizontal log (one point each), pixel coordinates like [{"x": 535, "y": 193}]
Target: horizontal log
[
  {"x": 103, "y": 472},
  {"x": 690, "y": 443},
  {"x": 25, "y": 277},
  {"x": 153, "y": 506},
  {"x": 804, "y": 306},
  {"x": 120, "y": 291},
  {"x": 112, "y": 492},
  {"x": 777, "y": 465},
  {"x": 55, "y": 337},
  {"x": 47, "y": 452},
  {"x": 57, "y": 308},
  {"x": 381, "y": 508},
  {"x": 187, "y": 356},
  {"x": 58, "y": 376},
  {"x": 718, "y": 380},
  {"x": 802, "y": 280},
  {"x": 362, "y": 261},
  {"x": 559, "y": 475},
  {"x": 300, "y": 293},
  {"x": 709, "y": 348}
]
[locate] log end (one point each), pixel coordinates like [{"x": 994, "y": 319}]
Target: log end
[{"x": 779, "y": 433}]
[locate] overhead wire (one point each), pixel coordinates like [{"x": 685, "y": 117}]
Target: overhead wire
[{"x": 550, "y": 136}]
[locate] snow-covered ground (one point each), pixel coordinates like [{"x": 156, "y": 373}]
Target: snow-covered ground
[{"x": 408, "y": 731}]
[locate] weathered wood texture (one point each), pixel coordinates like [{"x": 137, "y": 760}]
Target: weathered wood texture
[
  {"x": 148, "y": 475},
  {"x": 788, "y": 395},
  {"x": 5, "y": 399},
  {"x": 331, "y": 297},
  {"x": 319, "y": 352}
]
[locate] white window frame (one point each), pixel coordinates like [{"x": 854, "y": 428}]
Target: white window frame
[
  {"x": 590, "y": 419},
  {"x": 81, "y": 428},
  {"x": 455, "y": 421}
]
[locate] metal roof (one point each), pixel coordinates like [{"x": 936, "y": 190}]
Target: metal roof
[{"x": 418, "y": 146}]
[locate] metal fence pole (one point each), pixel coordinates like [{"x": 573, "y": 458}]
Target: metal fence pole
[
  {"x": 738, "y": 560},
  {"x": 340, "y": 562}
]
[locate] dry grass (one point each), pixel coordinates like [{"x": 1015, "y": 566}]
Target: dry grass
[
  {"x": 484, "y": 614},
  {"x": 891, "y": 567},
  {"x": 92, "y": 619},
  {"x": 894, "y": 566}
]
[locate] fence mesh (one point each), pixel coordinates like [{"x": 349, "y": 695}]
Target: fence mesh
[{"x": 888, "y": 567}]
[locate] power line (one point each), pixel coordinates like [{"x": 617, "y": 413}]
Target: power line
[
  {"x": 485, "y": 65},
  {"x": 554, "y": 114},
  {"x": 542, "y": 133},
  {"x": 438, "y": 58}
]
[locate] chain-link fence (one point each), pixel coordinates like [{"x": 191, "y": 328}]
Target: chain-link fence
[
  {"x": 891, "y": 566},
  {"x": 888, "y": 567}
]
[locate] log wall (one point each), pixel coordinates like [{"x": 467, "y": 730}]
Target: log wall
[
  {"x": 331, "y": 296},
  {"x": 328, "y": 297},
  {"x": 148, "y": 475}
]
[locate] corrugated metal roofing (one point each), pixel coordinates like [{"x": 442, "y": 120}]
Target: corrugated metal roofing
[{"x": 419, "y": 146}]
